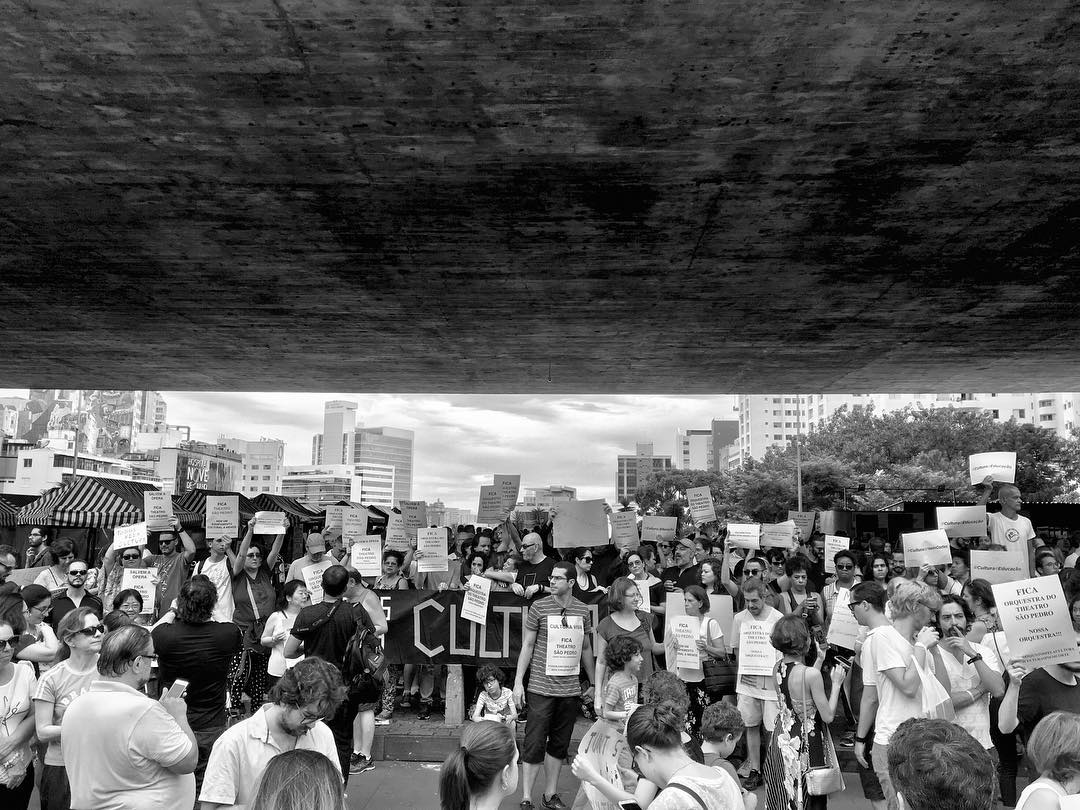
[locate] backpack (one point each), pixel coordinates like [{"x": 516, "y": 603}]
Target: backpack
[{"x": 364, "y": 656}]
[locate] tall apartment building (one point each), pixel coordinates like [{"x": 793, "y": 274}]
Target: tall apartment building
[
  {"x": 701, "y": 449},
  {"x": 376, "y": 484},
  {"x": 263, "y": 464},
  {"x": 546, "y": 497},
  {"x": 632, "y": 471},
  {"x": 391, "y": 447},
  {"x": 335, "y": 444},
  {"x": 319, "y": 485}
]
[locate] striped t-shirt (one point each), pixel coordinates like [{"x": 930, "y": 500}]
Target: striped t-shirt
[{"x": 540, "y": 682}]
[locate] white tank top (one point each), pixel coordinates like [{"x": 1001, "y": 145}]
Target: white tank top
[{"x": 1039, "y": 784}]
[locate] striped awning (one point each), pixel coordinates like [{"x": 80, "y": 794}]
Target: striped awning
[
  {"x": 195, "y": 501},
  {"x": 290, "y": 506},
  {"x": 7, "y": 514},
  {"x": 98, "y": 503},
  {"x": 10, "y": 504}
]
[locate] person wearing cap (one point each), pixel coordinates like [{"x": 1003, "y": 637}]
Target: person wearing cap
[
  {"x": 315, "y": 551},
  {"x": 685, "y": 572}
]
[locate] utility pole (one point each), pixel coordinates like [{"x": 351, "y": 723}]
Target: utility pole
[{"x": 798, "y": 451}]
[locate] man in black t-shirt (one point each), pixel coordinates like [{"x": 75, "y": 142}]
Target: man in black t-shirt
[
  {"x": 532, "y": 575},
  {"x": 684, "y": 573},
  {"x": 1031, "y": 695}
]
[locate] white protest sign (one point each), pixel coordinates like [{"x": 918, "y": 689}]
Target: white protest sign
[
  {"x": 685, "y": 629},
  {"x": 1035, "y": 618},
  {"x": 157, "y": 509},
  {"x": 334, "y": 516},
  {"x": 602, "y": 745},
  {"x": 645, "y": 594},
  {"x": 998, "y": 566},
  {"x": 805, "y": 523},
  {"x": 431, "y": 550},
  {"x": 413, "y": 516},
  {"x": 366, "y": 555},
  {"x": 658, "y": 529},
  {"x": 580, "y": 523},
  {"x": 744, "y": 535},
  {"x": 930, "y": 547},
  {"x": 721, "y": 608},
  {"x": 354, "y": 526},
  {"x": 702, "y": 509},
  {"x": 396, "y": 538},
  {"x": 962, "y": 521},
  {"x": 129, "y": 536},
  {"x": 143, "y": 580},
  {"x": 778, "y": 535},
  {"x": 1002, "y": 466},
  {"x": 269, "y": 523},
  {"x": 833, "y": 544},
  {"x": 474, "y": 606},
  {"x": 624, "y": 529},
  {"x": 843, "y": 626},
  {"x": 313, "y": 578},
  {"x": 757, "y": 656},
  {"x": 508, "y": 486},
  {"x": 564, "y": 637},
  {"x": 222, "y": 515},
  {"x": 490, "y": 508}
]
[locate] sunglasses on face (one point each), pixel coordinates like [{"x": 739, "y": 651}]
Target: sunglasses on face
[
  {"x": 586, "y": 559},
  {"x": 528, "y": 546},
  {"x": 90, "y": 632},
  {"x": 7, "y": 644},
  {"x": 130, "y": 557},
  {"x": 254, "y": 555},
  {"x": 844, "y": 567}
]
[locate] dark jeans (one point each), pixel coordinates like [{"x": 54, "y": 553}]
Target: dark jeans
[
  {"x": 18, "y": 797},
  {"x": 341, "y": 725},
  {"x": 205, "y": 739},
  {"x": 54, "y": 789},
  {"x": 1008, "y": 762}
]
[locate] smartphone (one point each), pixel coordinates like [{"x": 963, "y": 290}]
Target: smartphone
[
  {"x": 843, "y": 659},
  {"x": 630, "y": 806},
  {"x": 178, "y": 688}
]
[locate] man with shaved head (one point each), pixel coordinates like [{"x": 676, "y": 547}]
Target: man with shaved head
[{"x": 1008, "y": 529}]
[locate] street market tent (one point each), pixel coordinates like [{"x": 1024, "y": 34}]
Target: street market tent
[
  {"x": 376, "y": 516},
  {"x": 98, "y": 503},
  {"x": 290, "y": 506},
  {"x": 10, "y": 506},
  {"x": 195, "y": 501}
]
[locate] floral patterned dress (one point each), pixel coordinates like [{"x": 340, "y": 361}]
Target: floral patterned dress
[{"x": 797, "y": 744}]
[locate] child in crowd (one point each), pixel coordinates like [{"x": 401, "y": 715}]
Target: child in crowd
[
  {"x": 623, "y": 657},
  {"x": 510, "y": 565},
  {"x": 722, "y": 727},
  {"x": 496, "y": 702}
]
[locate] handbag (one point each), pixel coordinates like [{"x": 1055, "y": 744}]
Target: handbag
[
  {"x": 253, "y": 636},
  {"x": 936, "y": 701},
  {"x": 719, "y": 676},
  {"x": 821, "y": 780}
]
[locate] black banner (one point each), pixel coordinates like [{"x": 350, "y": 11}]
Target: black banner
[{"x": 425, "y": 627}]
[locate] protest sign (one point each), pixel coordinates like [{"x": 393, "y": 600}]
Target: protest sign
[
  {"x": 962, "y": 521},
  {"x": 431, "y": 550},
  {"x": 602, "y": 745},
  {"x": 508, "y": 486},
  {"x": 222, "y": 515},
  {"x": 26, "y": 576},
  {"x": 744, "y": 535},
  {"x": 998, "y": 566},
  {"x": 270, "y": 523},
  {"x": 757, "y": 656},
  {"x": 334, "y": 516},
  {"x": 1002, "y": 466},
  {"x": 702, "y": 509},
  {"x": 1035, "y": 618},
  {"x": 805, "y": 523},
  {"x": 645, "y": 594},
  {"x": 313, "y": 578},
  {"x": 833, "y": 544},
  {"x": 490, "y": 509},
  {"x": 930, "y": 547},
  {"x": 474, "y": 606},
  {"x": 624, "y": 529},
  {"x": 778, "y": 535},
  {"x": 413, "y": 516},
  {"x": 129, "y": 536},
  {"x": 580, "y": 523},
  {"x": 143, "y": 580},
  {"x": 843, "y": 626},
  {"x": 564, "y": 638},
  {"x": 396, "y": 538},
  {"x": 354, "y": 525},
  {"x": 366, "y": 555},
  {"x": 157, "y": 509},
  {"x": 684, "y": 630},
  {"x": 721, "y": 608},
  {"x": 657, "y": 529}
]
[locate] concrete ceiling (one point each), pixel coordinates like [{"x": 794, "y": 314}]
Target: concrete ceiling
[{"x": 632, "y": 196}]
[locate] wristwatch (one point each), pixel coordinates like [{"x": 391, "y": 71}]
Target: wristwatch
[{"x": 974, "y": 658}]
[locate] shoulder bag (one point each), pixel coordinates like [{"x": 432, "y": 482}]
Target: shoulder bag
[
  {"x": 821, "y": 780},
  {"x": 720, "y": 675}
]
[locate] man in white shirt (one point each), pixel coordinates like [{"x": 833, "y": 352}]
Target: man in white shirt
[
  {"x": 219, "y": 568},
  {"x": 314, "y": 553},
  {"x": 1008, "y": 529}
]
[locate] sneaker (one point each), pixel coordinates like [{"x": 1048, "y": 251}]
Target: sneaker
[
  {"x": 552, "y": 802},
  {"x": 358, "y": 763},
  {"x": 753, "y": 781},
  {"x": 847, "y": 740},
  {"x": 525, "y": 804},
  {"x": 423, "y": 711},
  {"x": 406, "y": 701},
  {"x": 385, "y": 714}
]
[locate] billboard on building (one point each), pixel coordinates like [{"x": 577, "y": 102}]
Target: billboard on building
[{"x": 199, "y": 471}]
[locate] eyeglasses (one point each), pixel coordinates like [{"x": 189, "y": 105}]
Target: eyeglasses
[
  {"x": 7, "y": 644},
  {"x": 308, "y": 716},
  {"x": 586, "y": 559},
  {"x": 844, "y": 567},
  {"x": 42, "y": 610},
  {"x": 149, "y": 656},
  {"x": 256, "y": 555},
  {"x": 129, "y": 557},
  {"x": 76, "y": 573},
  {"x": 90, "y": 632},
  {"x": 528, "y": 545},
  {"x": 167, "y": 540}
]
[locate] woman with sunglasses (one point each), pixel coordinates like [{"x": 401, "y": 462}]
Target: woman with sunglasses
[
  {"x": 638, "y": 573},
  {"x": 584, "y": 582},
  {"x": 42, "y": 651},
  {"x": 130, "y": 557},
  {"x": 17, "y": 684},
  {"x": 80, "y": 633}
]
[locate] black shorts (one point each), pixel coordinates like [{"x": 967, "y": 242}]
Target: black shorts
[{"x": 549, "y": 726}]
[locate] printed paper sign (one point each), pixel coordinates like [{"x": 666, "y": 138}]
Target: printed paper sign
[
  {"x": 624, "y": 529},
  {"x": 744, "y": 535},
  {"x": 367, "y": 555},
  {"x": 843, "y": 626},
  {"x": 805, "y": 523},
  {"x": 431, "y": 550},
  {"x": 702, "y": 509},
  {"x": 413, "y": 516},
  {"x": 565, "y": 634},
  {"x": 508, "y": 486},
  {"x": 354, "y": 526},
  {"x": 833, "y": 544},
  {"x": 603, "y": 745},
  {"x": 1035, "y": 618},
  {"x": 962, "y": 521},
  {"x": 931, "y": 547},
  {"x": 685, "y": 629},
  {"x": 143, "y": 580},
  {"x": 721, "y": 608},
  {"x": 580, "y": 523},
  {"x": 998, "y": 566},
  {"x": 644, "y": 593},
  {"x": 490, "y": 510},
  {"x": 396, "y": 538},
  {"x": 129, "y": 536},
  {"x": 222, "y": 515},
  {"x": 313, "y": 578},
  {"x": 657, "y": 529},
  {"x": 1000, "y": 465},
  {"x": 269, "y": 523},
  {"x": 474, "y": 606},
  {"x": 778, "y": 535},
  {"x": 334, "y": 516},
  {"x": 757, "y": 656},
  {"x": 157, "y": 509}
]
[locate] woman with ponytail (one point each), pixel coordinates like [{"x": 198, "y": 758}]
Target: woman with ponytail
[{"x": 482, "y": 771}]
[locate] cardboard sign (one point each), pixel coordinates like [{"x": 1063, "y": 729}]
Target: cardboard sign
[
  {"x": 1035, "y": 618},
  {"x": 804, "y": 521},
  {"x": 833, "y": 544},
  {"x": 413, "y": 516},
  {"x": 26, "y": 576},
  {"x": 997, "y": 567},
  {"x": 657, "y": 529},
  {"x": 431, "y": 550},
  {"x": 157, "y": 509},
  {"x": 778, "y": 535},
  {"x": 603, "y": 745},
  {"x": 396, "y": 537},
  {"x": 474, "y": 606},
  {"x": 222, "y": 515},
  {"x": 270, "y": 523},
  {"x": 930, "y": 547},
  {"x": 580, "y": 523},
  {"x": 366, "y": 555},
  {"x": 684, "y": 630},
  {"x": 962, "y": 521},
  {"x": 1000, "y": 465},
  {"x": 490, "y": 510},
  {"x": 644, "y": 593},
  {"x": 843, "y": 626},
  {"x": 334, "y": 517},
  {"x": 757, "y": 656},
  {"x": 129, "y": 536},
  {"x": 313, "y": 578},
  {"x": 702, "y": 509},
  {"x": 624, "y": 529},
  {"x": 143, "y": 580},
  {"x": 564, "y": 638},
  {"x": 354, "y": 526},
  {"x": 744, "y": 535},
  {"x": 508, "y": 486}
]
